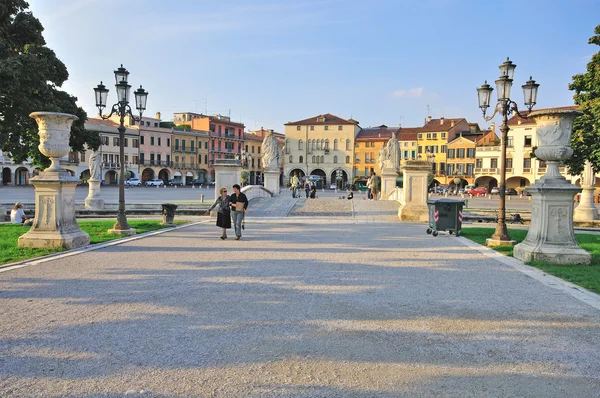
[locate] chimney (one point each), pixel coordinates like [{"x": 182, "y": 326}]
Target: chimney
[
  {"x": 442, "y": 120},
  {"x": 158, "y": 115},
  {"x": 428, "y": 119},
  {"x": 451, "y": 123}
]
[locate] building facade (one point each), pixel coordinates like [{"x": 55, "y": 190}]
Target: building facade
[
  {"x": 367, "y": 144},
  {"x": 320, "y": 146}
]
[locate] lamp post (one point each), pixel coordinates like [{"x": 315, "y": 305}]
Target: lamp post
[
  {"x": 504, "y": 107},
  {"x": 122, "y": 109}
]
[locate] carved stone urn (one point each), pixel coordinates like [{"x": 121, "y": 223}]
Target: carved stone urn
[
  {"x": 54, "y": 224},
  {"x": 551, "y": 237},
  {"x": 54, "y": 130}
]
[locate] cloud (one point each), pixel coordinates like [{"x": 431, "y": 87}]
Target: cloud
[{"x": 410, "y": 93}]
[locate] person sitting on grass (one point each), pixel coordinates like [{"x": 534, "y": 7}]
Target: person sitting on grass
[{"x": 17, "y": 216}]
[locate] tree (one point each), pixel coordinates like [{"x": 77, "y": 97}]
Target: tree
[
  {"x": 30, "y": 77},
  {"x": 585, "y": 140}
]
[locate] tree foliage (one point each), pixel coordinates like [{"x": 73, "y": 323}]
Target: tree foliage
[
  {"x": 586, "y": 129},
  {"x": 30, "y": 77}
]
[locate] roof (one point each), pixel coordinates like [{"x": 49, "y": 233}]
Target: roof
[
  {"x": 381, "y": 133},
  {"x": 441, "y": 124},
  {"x": 252, "y": 137},
  {"x": 408, "y": 133},
  {"x": 101, "y": 122},
  {"x": 326, "y": 119}
]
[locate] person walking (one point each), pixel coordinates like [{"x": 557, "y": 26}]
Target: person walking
[
  {"x": 369, "y": 182},
  {"x": 224, "y": 213},
  {"x": 307, "y": 187},
  {"x": 374, "y": 185},
  {"x": 239, "y": 205},
  {"x": 295, "y": 183}
]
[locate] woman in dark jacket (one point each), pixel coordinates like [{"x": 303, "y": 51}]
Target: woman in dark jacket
[
  {"x": 223, "y": 215},
  {"x": 239, "y": 205}
]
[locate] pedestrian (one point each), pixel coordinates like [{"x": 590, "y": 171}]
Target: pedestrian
[
  {"x": 295, "y": 183},
  {"x": 369, "y": 182},
  {"x": 313, "y": 190},
  {"x": 17, "y": 216},
  {"x": 239, "y": 206},
  {"x": 224, "y": 213},
  {"x": 350, "y": 195},
  {"x": 307, "y": 187},
  {"x": 374, "y": 186}
]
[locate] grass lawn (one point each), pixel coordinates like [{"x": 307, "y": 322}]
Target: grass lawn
[
  {"x": 9, "y": 235},
  {"x": 585, "y": 276}
]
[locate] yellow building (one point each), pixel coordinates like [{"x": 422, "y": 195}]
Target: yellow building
[
  {"x": 432, "y": 141},
  {"x": 367, "y": 144}
]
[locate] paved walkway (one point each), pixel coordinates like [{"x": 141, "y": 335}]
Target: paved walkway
[{"x": 337, "y": 299}]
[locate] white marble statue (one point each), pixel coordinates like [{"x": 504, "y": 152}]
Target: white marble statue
[
  {"x": 392, "y": 160},
  {"x": 269, "y": 151},
  {"x": 95, "y": 166},
  {"x": 382, "y": 156},
  {"x": 280, "y": 152}
]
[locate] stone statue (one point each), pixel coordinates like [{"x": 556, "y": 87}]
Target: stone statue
[
  {"x": 280, "y": 152},
  {"x": 588, "y": 178},
  {"x": 392, "y": 150},
  {"x": 269, "y": 152},
  {"x": 95, "y": 167},
  {"x": 382, "y": 156}
]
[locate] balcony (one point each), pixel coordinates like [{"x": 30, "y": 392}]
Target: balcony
[
  {"x": 487, "y": 171},
  {"x": 185, "y": 166},
  {"x": 527, "y": 171},
  {"x": 156, "y": 163},
  {"x": 111, "y": 165},
  {"x": 488, "y": 148}
]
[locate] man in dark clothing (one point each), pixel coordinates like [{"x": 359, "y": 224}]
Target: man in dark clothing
[{"x": 239, "y": 205}]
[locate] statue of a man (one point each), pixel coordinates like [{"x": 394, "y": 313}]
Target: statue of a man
[
  {"x": 382, "y": 157},
  {"x": 392, "y": 150},
  {"x": 280, "y": 151},
  {"x": 95, "y": 166},
  {"x": 269, "y": 151}
]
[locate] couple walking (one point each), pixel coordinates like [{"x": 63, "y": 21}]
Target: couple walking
[{"x": 230, "y": 207}]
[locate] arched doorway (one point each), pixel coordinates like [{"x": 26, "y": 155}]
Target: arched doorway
[
  {"x": 189, "y": 176},
  {"x": 110, "y": 178},
  {"x": 6, "y": 176},
  {"x": 299, "y": 173},
  {"x": 344, "y": 178},
  {"x": 517, "y": 182},
  {"x": 320, "y": 173},
  {"x": 147, "y": 174},
  {"x": 85, "y": 175},
  {"x": 486, "y": 182},
  {"x": 163, "y": 174},
  {"x": 203, "y": 175},
  {"x": 21, "y": 176}
]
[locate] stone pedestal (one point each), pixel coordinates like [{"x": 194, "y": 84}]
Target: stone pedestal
[
  {"x": 54, "y": 224},
  {"x": 414, "y": 194},
  {"x": 586, "y": 210},
  {"x": 388, "y": 183},
  {"x": 271, "y": 179},
  {"x": 227, "y": 173},
  {"x": 551, "y": 238},
  {"x": 94, "y": 200}
]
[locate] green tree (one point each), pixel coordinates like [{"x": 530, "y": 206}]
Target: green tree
[
  {"x": 30, "y": 77},
  {"x": 586, "y": 129}
]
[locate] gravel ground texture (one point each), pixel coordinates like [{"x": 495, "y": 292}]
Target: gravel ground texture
[{"x": 358, "y": 305}]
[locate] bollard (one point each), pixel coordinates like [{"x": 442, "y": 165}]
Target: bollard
[
  {"x": 164, "y": 186},
  {"x": 507, "y": 197},
  {"x": 529, "y": 198},
  {"x": 202, "y": 198},
  {"x": 174, "y": 186}
]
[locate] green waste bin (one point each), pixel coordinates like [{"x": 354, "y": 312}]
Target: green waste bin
[{"x": 445, "y": 215}]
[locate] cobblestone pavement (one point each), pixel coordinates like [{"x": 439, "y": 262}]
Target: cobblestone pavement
[{"x": 310, "y": 305}]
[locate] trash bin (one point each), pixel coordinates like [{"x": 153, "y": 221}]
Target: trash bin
[
  {"x": 168, "y": 212},
  {"x": 445, "y": 215}
]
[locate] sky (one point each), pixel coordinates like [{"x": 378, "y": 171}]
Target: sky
[{"x": 268, "y": 62}]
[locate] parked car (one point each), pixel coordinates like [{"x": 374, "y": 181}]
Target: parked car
[
  {"x": 155, "y": 182},
  {"x": 197, "y": 182},
  {"x": 440, "y": 189},
  {"x": 477, "y": 191},
  {"x": 212, "y": 183},
  {"x": 333, "y": 186},
  {"x": 360, "y": 185},
  {"x": 175, "y": 181},
  {"x": 134, "y": 182},
  {"x": 508, "y": 191}
]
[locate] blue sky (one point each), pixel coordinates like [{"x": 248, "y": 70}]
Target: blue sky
[{"x": 268, "y": 62}]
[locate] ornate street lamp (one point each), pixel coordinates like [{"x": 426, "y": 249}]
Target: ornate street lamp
[
  {"x": 505, "y": 106},
  {"x": 122, "y": 109}
]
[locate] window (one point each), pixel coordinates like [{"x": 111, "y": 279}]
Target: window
[
  {"x": 300, "y": 159},
  {"x": 494, "y": 163},
  {"x": 509, "y": 142},
  {"x": 155, "y": 124},
  {"x": 168, "y": 142},
  {"x": 366, "y": 171},
  {"x": 206, "y": 159},
  {"x": 313, "y": 159},
  {"x": 469, "y": 169},
  {"x": 199, "y": 159},
  {"x": 291, "y": 161},
  {"x": 428, "y": 136},
  {"x": 327, "y": 145},
  {"x": 339, "y": 128},
  {"x": 450, "y": 169},
  {"x": 151, "y": 140},
  {"x": 366, "y": 144},
  {"x": 115, "y": 141},
  {"x": 443, "y": 149},
  {"x": 335, "y": 159},
  {"x": 335, "y": 144},
  {"x": 356, "y": 158},
  {"x": 420, "y": 136},
  {"x": 126, "y": 142},
  {"x": 176, "y": 144},
  {"x": 312, "y": 128},
  {"x": 148, "y": 124},
  {"x": 542, "y": 164},
  {"x": 105, "y": 140},
  {"x": 420, "y": 149},
  {"x": 297, "y": 128},
  {"x": 141, "y": 158},
  {"x": 509, "y": 163},
  {"x": 451, "y": 153},
  {"x": 348, "y": 145},
  {"x": 169, "y": 160},
  {"x": 326, "y": 128},
  {"x": 192, "y": 145},
  {"x": 205, "y": 145},
  {"x": 434, "y": 136},
  {"x": 300, "y": 145},
  {"x": 527, "y": 163},
  {"x": 183, "y": 145},
  {"x": 527, "y": 140},
  {"x": 347, "y": 159},
  {"x": 151, "y": 158},
  {"x": 159, "y": 141},
  {"x": 443, "y": 135},
  {"x": 373, "y": 144},
  {"x": 478, "y": 163},
  {"x": 287, "y": 147},
  {"x": 471, "y": 152},
  {"x": 460, "y": 153}
]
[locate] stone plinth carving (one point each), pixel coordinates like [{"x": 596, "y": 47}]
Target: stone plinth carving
[
  {"x": 551, "y": 237},
  {"x": 54, "y": 224},
  {"x": 414, "y": 194}
]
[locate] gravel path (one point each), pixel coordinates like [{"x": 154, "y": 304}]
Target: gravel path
[{"x": 349, "y": 306}]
